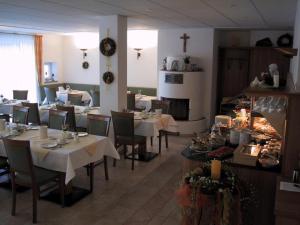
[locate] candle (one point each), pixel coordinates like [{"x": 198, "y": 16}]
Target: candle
[{"x": 215, "y": 169}]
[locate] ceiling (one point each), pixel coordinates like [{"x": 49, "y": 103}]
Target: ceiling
[{"x": 64, "y": 16}]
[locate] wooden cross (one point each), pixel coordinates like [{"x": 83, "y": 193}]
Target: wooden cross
[{"x": 185, "y": 37}]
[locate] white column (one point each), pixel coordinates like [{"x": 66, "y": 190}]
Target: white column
[{"x": 113, "y": 96}]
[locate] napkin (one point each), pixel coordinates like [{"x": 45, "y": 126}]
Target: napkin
[{"x": 91, "y": 149}]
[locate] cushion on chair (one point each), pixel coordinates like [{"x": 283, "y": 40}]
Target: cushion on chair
[{"x": 42, "y": 176}]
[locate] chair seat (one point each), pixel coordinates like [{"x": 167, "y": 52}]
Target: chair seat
[
  {"x": 42, "y": 176},
  {"x": 128, "y": 140},
  {"x": 3, "y": 163}
]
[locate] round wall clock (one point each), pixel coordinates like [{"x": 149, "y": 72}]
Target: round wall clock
[
  {"x": 108, "y": 77},
  {"x": 108, "y": 46},
  {"x": 85, "y": 65}
]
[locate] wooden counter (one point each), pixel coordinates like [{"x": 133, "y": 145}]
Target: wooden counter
[
  {"x": 264, "y": 183},
  {"x": 287, "y": 206}
]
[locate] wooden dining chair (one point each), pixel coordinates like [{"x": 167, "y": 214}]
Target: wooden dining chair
[
  {"x": 24, "y": 173},
  {"x": 4, "y": 166},
  {"x": 20, "y": 114},
  {"x": 70, "y": 120},
  {"x": 131, "y": 101},
  {"x": 5, "y": 116},
  {"x": 75, "y": 99},
  {"x": 50, "y": 95},
  {"x": 123, "y": 124},
  {"x": 164, "y": 105},
  {"x": 99, "y": 125},
  {"x": 20, "y": 94},
  {"x": 57, "y": 119},
  {"x": 33, "y": 114}
]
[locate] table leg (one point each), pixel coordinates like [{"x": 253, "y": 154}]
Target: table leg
[
  {"x": 62, "y": 188},
  {"x": 105, "y": 168},
  {"x": 91, "y": 176}
]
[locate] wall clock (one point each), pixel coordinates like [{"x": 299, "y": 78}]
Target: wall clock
[
  {"x": 108, "y": 46},
  {"x": 108, "y": 77},
  {"x": 85, "y": 65}
]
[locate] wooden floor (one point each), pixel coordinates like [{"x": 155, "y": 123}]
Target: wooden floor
[{"x": 144, "y": 196}]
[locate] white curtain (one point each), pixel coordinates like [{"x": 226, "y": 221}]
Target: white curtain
[{"x": 17, "y": 65}]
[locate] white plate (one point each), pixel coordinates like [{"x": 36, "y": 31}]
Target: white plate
[
  {"x": 33, "y": 127},
  {"x": 82, "y": 134},
  {"x": 49, "y": 145},
  {"x": 63, "y": 141}
]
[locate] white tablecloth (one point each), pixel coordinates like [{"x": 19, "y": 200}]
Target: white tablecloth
[
  {"x": 71, "y": 156},
  {"x": 7, "y": 108},
  {"x": 150, "y": 127},
  {"x": 63, "y": 95},
  {"x": 144, "y": 101},
  {"x": 80, "y": 114}
]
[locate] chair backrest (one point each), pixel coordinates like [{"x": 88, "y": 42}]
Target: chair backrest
[
  {"x": 20, "y": 114},
  {"x": 50, "y": 94},
  {"x": 98, "y": 124},
  {"x": 131, "y": 101},
  {"x": 160, "y": 104},
  {"x": 20, "y": 94},
  {"x": 96, "y": 97},
  {"x": 19, "y": 156},
  {"x": 71, "y": 121},
  {"x": 5, "y": 116},
  {"x": 33, "y": 114},
  {"x": 123, "y": 124},
  {"x": 57, "y": 119},
  {"x": 75, "y": 99}
]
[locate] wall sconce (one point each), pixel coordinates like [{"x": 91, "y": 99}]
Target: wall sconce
[
  {"x": 84, "y": 53},
  {"x": 138, "y": 54}
]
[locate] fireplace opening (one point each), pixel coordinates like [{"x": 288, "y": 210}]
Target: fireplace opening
[{"x": 179, "y": 108}]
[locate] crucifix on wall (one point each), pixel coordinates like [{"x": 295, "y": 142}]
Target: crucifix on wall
[{"x": 185, "y": 37}]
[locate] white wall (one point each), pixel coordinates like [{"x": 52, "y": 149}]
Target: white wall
[
  {"x": 142, "y": 72},
  {"x": 200, "y": 45},
  {"x": 61, "y": 49},
  {"x": 53, "y": 52},
  {"x": 294, "y": 68},
  {"x": 73, "y": 58}
]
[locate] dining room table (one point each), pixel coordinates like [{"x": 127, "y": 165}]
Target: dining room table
[
  {"x": 62, "y": 95},
  {"x": 63, "y": 154},
  {"x": 6, "y": 107},
  {"x": 149, "y": 124},
  {"x": 144, "y": 101},
  {"x": 80, "y": 113}
]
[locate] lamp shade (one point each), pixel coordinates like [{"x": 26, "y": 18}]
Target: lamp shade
[
  {"x": 141, "y": 39},
  {"x": 86, "y": 40}
]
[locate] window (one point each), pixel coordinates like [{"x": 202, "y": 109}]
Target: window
[
  {"x": 17, "y": 65},
  {"x": 50, "y": 71}
]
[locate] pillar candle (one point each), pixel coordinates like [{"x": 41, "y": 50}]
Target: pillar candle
[{"x": 215, "y": 169}]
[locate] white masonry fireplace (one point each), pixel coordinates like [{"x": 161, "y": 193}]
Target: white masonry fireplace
[{"x": 185, "y": 91}]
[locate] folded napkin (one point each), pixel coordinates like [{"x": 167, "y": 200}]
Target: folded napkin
[{"x": 91, "y": 149}]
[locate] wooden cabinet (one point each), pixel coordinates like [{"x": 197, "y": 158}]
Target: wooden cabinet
[
  {"x": 261, "y": 58},
  {"x": 233, "y": 71},
  {"x": 237, "y": 67},
  {"x": 287, "y": 206}
]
